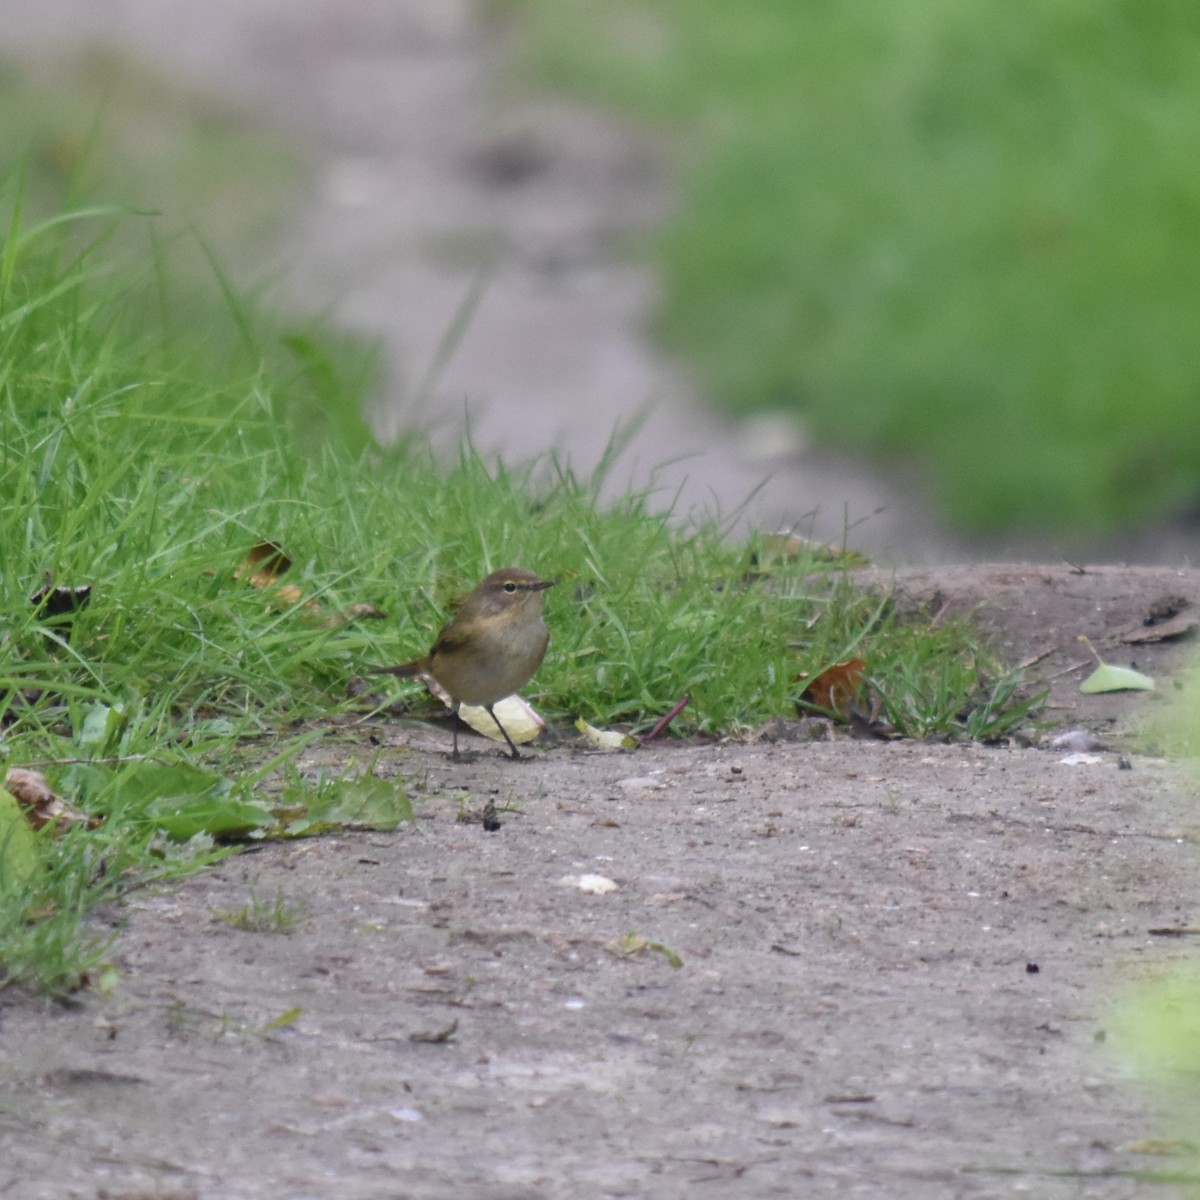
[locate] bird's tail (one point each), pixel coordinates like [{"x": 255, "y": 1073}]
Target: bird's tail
[{"x": 408, "y": 670}]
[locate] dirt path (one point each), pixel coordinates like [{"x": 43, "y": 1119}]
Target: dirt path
[
  {"x": 895, "y": 966},
  {"x": 833, "y": 968}
]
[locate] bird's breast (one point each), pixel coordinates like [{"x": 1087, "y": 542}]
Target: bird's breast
[{"x": 500, "y": 660}]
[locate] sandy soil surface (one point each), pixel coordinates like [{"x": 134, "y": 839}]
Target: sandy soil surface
[{"x": 826, "y": 968}]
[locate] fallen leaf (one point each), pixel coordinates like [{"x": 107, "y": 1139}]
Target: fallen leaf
[
  {"x": 264, "y": 565},
  {"x": 362, "y": 802},
  {"x": 1178, "y": 625},
  {"x": 836, "y": 688},
  {"x": 103, "y": 726},
  {"x": 39, "y": 802},
  {"x": 606, "y": 739},
  {"x": 289, "y": 594},
  {"x": 18, "y": 845},
  {"x": 1108, "y": 678},
  {"x": 177, "y": 798},
  {"x": 517, "y": 716}
]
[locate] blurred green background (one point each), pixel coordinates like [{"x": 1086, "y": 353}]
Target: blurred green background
[
  {"x": 963, "y": 236},
  {"x": 101, "y": 127}
]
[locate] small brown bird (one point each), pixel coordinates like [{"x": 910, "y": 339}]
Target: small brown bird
[{"x": 491, "y": 648}]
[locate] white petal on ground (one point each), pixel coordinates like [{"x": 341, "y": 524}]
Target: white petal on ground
[{"x": 596, "y": 885}]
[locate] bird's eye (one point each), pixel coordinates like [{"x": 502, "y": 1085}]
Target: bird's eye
[{"x": 510, "y": 587}]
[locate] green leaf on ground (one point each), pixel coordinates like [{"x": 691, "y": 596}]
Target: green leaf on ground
[
  {"x": 177, "y": 798},
  {"x": 102, "y": 727},
  {"x": 1107, "y": 678},
  {"x": 364, "y": 802},
  {"x": 19, "y": 857},
  {"x": 184, "y": 801},
  {"x": 183, "y": 817}
]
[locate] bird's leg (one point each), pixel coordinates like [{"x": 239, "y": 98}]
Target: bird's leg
[
  {"x": 457, "y": 719},
  {"x": 515, "y": 753}
]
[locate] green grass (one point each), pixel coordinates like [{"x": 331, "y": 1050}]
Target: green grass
[
  {"x": 1155, "y": 1034},
  {"x": 965, "y": 236},
  {"x": 149, "y": 438},
  {"x": 263, "y": 916}
]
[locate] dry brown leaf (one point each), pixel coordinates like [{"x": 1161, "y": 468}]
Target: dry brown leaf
[
  {"x": 1179, "y": 625},
  {"x": 289, "y": 593},
  {"x": 40, "y": 804},
  {"x": 836, "y": 688},
  {"x": 264, "y": 565}
]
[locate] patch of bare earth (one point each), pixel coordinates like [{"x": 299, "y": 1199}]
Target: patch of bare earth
[{"x": 835, "y": 968}]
